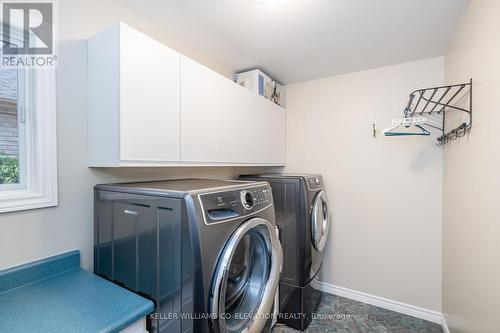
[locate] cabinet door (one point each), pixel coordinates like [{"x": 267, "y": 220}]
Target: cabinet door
[
  {"x": 149, "y": 99},
  {"x": 199, "y": 112},
  {"x": 238, "y": 141},
  {"x": 270, "y": 132},
  {"x": 252, "y": 129}
]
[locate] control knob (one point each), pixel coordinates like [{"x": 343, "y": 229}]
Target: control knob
[{"x": 247, "y": 199}]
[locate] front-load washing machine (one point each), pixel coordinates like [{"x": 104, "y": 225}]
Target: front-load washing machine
[
  {"x": 302, "y": 216},
  {"x": 205, "y": 251}
]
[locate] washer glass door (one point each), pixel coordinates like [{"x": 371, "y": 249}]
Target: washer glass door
[
  {"x": 319, "y": 221},
  {"x": 247, "y": 278}
]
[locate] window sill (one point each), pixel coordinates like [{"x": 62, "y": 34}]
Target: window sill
[{"x": 17, "y": 200}]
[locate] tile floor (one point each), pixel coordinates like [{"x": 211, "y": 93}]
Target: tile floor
[{"x": 338, "y": 314}]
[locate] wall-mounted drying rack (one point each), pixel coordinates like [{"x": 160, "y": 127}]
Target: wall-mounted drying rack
[{"x": 438, "y": 101}]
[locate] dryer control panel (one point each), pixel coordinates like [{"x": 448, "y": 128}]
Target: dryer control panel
[
  {"x": 220, "y": 206},
  {"x": 314, "y": 183}
]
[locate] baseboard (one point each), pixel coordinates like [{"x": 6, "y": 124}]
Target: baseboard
[
  {"x": 407, "y": 309},
  {"x": 443, "y": 324}
]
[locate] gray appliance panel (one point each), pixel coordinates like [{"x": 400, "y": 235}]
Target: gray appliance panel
[
  {"x": 174, "y": 188},
  {"x": 293, "y": 197},
  {"x": 288, "y": 209},
  {"x": 128, "y": 229}
]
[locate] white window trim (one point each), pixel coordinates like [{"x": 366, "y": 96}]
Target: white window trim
[
  {"x": 41, "y": 152},
  {"x": 39, "y": 189}
]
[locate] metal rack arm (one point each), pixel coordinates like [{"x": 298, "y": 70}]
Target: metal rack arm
[{"x": 436, "y": 99}]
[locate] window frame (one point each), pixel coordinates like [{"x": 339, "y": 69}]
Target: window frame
[
  {"x": 38, "y": 184},
  {"x": 22, "y": 80}
]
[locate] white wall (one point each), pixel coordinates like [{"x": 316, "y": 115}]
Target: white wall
[
  {"x": 471, "y": 220},
  {"x": 29, "y": 235},
  {"x": 385, "y": 193}
]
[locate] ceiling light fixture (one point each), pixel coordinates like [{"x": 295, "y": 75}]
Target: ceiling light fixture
[{"x": 264, "y": 2}]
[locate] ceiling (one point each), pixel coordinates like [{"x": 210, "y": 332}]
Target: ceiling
[{"x": 299, "y": 40}]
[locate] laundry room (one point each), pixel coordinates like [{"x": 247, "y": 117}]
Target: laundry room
[{"x": 249, "y": 166}]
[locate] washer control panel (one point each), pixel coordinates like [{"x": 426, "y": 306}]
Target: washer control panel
[
  {"x": 260, "y": 197},
  {"x": 220, "y": 206}
]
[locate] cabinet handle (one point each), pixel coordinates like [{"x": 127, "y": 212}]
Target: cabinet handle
[{"x": 131, "y": 212}]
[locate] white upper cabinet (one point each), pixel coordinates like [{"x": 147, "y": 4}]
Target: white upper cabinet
[
  {"x": 134, "y": 99},
  {"x": 235, "y": 141},
  {"x": 270, "y": 126},
  {"x": 149, "y": 99},
  {"x": 239, "y": 142},
  {"x": 252, "y": 129},
  {"x": 150, "y": 106},
  {"x": 199, "y": 112}
]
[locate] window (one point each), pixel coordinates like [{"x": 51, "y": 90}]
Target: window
[
  {"x": 12, "y": 129},
  {"x": 27, "y": 139},
  {"x": 28, "y": 160}
]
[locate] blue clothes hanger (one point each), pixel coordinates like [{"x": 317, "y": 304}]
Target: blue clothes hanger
[{"x": 407, "y": 123}]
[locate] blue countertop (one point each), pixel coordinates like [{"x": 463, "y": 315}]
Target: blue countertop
[{"x": 56, "y": 295}]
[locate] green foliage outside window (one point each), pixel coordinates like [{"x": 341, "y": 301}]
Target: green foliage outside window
[{"x": 9, "y": 170}]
